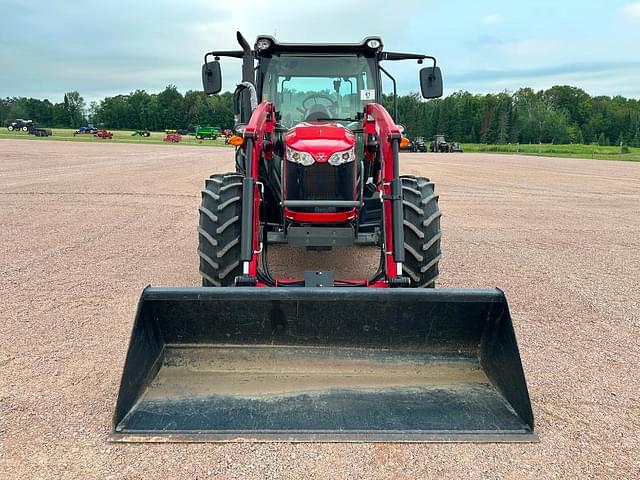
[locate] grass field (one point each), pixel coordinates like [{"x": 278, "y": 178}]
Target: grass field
[
  {"x": 565, "y": 151},
  {"x": 546, "y": 150},
  {"x": 119, "y": 136}
]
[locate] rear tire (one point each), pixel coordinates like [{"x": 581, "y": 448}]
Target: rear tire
[
  {"x": 422, "y": 232},
  {"x": 219, "y": 230}
]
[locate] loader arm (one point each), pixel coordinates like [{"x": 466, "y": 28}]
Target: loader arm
[
  {"x": 379, "y": 124},
  {"x": 258, "y": 143}
]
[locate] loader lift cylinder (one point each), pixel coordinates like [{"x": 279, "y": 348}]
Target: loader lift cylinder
[
  {"x": 396, "y": 194},
  {"x": 248, "y": 183}
]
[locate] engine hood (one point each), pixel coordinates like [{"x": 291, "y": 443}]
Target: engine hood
[{"x": 320, "y": 139}]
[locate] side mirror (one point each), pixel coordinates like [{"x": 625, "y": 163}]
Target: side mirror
[
  {"x": 431, "y": 82},
  {"x": 211, "y": 77}
]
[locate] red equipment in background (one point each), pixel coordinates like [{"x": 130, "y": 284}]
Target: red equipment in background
[{"x": 104, "y": 134}]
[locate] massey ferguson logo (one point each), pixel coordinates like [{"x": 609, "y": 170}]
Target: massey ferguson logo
[{"x": 322, "y": 157}]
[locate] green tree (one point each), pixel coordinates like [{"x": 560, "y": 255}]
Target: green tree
[
  {"x": 74, "y": 107},
  {"x": 140, "y": 110},
  {"x": 170, "y": 108},
  {"x": 602, "y": 140}
]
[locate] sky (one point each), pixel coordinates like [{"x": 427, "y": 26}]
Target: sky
[{"x": 48, "y": 47}]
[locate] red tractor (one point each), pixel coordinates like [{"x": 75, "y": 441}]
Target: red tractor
[
  {"x": 327, "y": 166},
  {"x": 251, "y": 357}
]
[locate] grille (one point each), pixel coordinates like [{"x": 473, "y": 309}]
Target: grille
[{"x": 320, "y": 182}]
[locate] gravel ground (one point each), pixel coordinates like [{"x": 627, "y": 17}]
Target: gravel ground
[{"x": 84, "y": 227}]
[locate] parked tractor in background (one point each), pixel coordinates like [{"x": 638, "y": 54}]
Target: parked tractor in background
[
  {"x": 141, "y": 133},
  {"x": 208, "y": 133},
  {"x": 456, "y": 147},
  {"x": 253, "y": 357},
  {"x": 440, "y": 145},
  {"x": 418, "y": 145},
  {"x": 88, "y": 130},
  {"x": 29, "y": 127},
  {"x": 20, "y": 125}
]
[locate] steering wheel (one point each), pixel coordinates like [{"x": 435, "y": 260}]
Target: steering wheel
[{"x": 306, "y": 105}]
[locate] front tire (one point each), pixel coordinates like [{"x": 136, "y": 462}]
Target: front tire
[
  {"x": 422, "y": 231},
  {"x": 219, "y": 230}
]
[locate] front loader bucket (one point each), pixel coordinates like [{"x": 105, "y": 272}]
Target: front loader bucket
[{"x": 322, "y": 364}]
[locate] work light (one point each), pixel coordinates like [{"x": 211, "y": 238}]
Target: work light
[
  {"x": 374, "y": 43},
  {"x": 263, "y": 43}
]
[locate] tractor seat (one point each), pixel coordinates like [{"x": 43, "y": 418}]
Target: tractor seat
[{"x": 316, "y": 112}]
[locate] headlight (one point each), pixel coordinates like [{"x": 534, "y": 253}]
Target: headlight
[
  {"x": 302, "y": 158},
  {"x": 340, "y": 158}
]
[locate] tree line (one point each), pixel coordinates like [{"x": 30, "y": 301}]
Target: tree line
[
  {"x": 167, "y": 109},
  {"x": 70, "y": 112},
  {"x": 560, "y": 115},
  {"x": 136, "y": 110}
]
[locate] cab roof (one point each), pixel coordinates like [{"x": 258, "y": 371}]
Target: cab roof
[{"x": 267, "y": 44}]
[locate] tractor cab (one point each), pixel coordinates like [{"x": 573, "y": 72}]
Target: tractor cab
[
  {"x": 318, "y": 88},
  {"x": 319, "y": 96}
]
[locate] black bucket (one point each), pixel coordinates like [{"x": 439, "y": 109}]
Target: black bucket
[{"x": 322, "y": 364}]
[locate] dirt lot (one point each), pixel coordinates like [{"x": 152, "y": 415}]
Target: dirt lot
[{"x": 84, "y": 227}]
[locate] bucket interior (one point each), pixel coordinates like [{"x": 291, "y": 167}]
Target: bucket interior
[{"x": 320, "y": 364}]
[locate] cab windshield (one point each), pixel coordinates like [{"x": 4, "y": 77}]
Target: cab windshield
[{"x": 320, "y": 87}]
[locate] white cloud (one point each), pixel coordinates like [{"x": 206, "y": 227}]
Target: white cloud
[
  {"x": 632, "y": 10},
  {"x": 492, "y": 19},
  {"x": 530, "y": 48}
]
